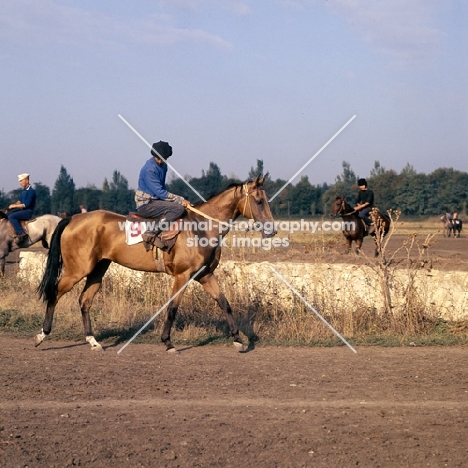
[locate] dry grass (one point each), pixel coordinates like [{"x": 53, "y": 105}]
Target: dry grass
[{"x": 120, "y": 309}]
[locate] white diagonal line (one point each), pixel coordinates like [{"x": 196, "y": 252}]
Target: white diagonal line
[
  {"x": 311, "y": 308},
  {"x": 160, "y": 310},
  {"x": 165, "y": 160},
  {"x": 312, "y": 158}
]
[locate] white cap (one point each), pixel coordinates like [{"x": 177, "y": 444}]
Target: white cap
[{"x": 22, "y": 176}]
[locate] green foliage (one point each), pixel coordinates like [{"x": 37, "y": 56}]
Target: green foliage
[
  {"x": 116, "y": 196},
  {"x": 211, "y": 182},
  {"x": 43, "y": 199},
  {"x": 90, "y": 197},
  {"x": 412, "y": 193},
  {"x": 63, "y": 193}
]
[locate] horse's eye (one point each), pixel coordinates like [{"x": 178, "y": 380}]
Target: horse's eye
[{"x": 259, "y": 202}]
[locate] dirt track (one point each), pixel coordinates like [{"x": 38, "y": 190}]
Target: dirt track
[{"x": 64, "y": 405}]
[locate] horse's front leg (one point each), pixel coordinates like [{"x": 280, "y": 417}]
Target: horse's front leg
[
  {"x": 179, "y": 282},
  {"x": 348, "y": 245},
  {"x": 210, "y": 283}
]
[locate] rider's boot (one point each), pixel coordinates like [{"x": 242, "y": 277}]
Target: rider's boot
[
  {"x": 151, "y": 236},
  {"x": 20, "y": 238}
]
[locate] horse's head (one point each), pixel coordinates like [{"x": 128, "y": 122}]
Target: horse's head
[
  {"x": 339, "y": 207},
  {"x": 253, "y": 204}
]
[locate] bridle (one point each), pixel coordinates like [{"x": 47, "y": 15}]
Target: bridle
[
  {"x": 246, "y": 192},
  {"x": 342, "y": 208}
]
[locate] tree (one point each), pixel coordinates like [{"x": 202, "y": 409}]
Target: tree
[
  {"x": 211, "y": 181},
  {"x": 254, "y": 172},
  {"x": 63, "y": 193},
  {"x": 302, "y": 195},
  {"x": 385, "y": 186},
  {"x": 4, "y": 200},
  {"x": 43, "y": 199},
  {"x": 448, "y": 190},
  {"x": 377, "y": 170},
  {"x": 89, "y": 196},
  {"x": 116, "y": 196},
  {"x": 344, "y": 185}
]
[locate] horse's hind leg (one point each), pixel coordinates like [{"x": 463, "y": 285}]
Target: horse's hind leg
[
  {"x": 93, "y": 283},
  {"x": 64, "y": 285},
  {"x": 210, "y": 283}
]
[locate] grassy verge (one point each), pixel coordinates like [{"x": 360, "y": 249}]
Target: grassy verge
[{"x": 120, "y": 310}]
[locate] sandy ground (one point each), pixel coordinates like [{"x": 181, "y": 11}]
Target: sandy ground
[{"x": 65, "y": 405}]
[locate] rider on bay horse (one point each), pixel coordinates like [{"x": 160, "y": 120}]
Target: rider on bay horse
[{"x": 152, "y": 198}]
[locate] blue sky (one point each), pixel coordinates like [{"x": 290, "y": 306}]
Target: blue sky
[{"x": 231, "y": 82}]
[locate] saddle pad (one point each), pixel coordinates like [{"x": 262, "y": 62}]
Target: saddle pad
[{"x": 133, "y": 231}]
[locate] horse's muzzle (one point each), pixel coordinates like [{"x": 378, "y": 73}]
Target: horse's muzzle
[{"x": 266, "y": 234}]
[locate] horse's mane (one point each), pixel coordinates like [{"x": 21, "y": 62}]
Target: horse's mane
[{"x": 231, "y": 185}]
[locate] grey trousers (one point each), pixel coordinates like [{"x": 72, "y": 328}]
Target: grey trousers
[{"x": 160, "y": 209}]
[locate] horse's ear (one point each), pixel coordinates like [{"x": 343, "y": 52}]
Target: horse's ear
[
  {"x": 261, "y": 179},
  {"x": 255, "y": 182}
]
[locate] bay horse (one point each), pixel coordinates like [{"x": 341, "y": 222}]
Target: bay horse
[
  {"x": 86, "y": 244},
  {"x": 38, "y": 229},
  {"x": 353, "y": 226}
]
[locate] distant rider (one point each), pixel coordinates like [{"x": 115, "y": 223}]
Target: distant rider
[
  {"x": 23, "y": 209},
  {"x": 364, "y": 204}
]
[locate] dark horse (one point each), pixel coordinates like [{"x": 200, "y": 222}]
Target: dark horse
[
  {"x": 451, "y": 225},
  {"x": 38, "y": 229},
  {"x": 457, "y": 226},
  {"x": 353, "y": 226},
  {"x": 86, "y": 244}
]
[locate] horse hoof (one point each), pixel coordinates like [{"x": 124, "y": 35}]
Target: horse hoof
[
  {"x": 239, "y": 346},
  {"x": 38, "y": 340},
  {"x": 172, "y": 350},
  {"x": 95, "y": 346}
]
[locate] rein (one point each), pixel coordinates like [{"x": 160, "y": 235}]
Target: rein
[
  {"x": 246, "y": 192},
  {"x": 342, "y": 207},
  {"x": 191, "y": 208}
]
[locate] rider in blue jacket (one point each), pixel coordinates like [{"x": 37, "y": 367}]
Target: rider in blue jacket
[
  {"x": 22, "y": 209},
  {"x": 152, "y": 198}
]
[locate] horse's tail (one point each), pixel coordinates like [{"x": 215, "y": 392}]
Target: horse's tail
[{"x": 48, "y": 288}]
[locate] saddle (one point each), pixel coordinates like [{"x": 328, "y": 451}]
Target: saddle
[{"x": 166, "y": 239}]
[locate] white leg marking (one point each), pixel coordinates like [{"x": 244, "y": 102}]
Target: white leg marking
[
  {"x": 95, "y": 346},
  {"x": 39, "y": 338}
]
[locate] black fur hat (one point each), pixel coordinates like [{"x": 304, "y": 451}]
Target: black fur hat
[
  {"x": 362, "y": 182},
  {"x": 163, "y": 149}
]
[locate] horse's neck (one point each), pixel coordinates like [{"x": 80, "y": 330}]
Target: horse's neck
[
  {"x": 222, "y": 207},
  {"x": 348, "y": 210}
]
